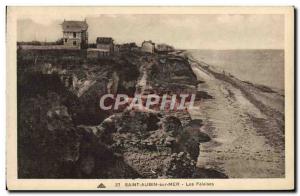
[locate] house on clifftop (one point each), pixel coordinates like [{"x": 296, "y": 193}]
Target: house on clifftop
[
  {"x": 148, "y": 46},
  {"x": 104, "y": 48},
  {"x": 75, "y": 34},
  {"x": 106, "y": 44},
  {"x": 164, "y": 48}
]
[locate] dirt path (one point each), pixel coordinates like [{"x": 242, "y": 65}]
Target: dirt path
[{"x": 245, "y": 142}]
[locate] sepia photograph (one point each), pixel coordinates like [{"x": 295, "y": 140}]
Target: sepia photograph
[{"x": 150, "y": 98}]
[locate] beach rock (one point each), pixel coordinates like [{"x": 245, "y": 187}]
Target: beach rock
[
  {"x": 203, "y": 137},
  {"x": 202, "y": 95},
  {"x": 190, "y": 138},
  {"x": 209, "y": 173},
  {"x": 195, "y": 123}
]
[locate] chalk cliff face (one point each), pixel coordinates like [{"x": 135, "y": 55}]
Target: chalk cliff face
[{"x": 60, "y": 120}]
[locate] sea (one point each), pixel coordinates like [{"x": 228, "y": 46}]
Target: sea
[{"x": 265, "y": 67}]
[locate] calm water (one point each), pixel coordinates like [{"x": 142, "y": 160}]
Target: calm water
[{"x": 258, "y": 66}]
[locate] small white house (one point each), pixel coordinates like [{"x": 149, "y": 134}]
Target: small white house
[
  {"x": 148, "y": 46},
  {"x": 164, "y": 48},
  {"x": 75, "y": 34},
  {"x": 106, "y": 44}
]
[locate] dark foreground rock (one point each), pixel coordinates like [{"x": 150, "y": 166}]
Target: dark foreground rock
[
  {"x": 154, "y": 146},
  {"x": 131, "y": 144},
  {"x": 209, "y": 173}
]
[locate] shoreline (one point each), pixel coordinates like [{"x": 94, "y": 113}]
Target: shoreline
[
  {"x": 241, "y": 85},
  {"x": 239, "y": 116},
  {"x": 217, "y": 69}
]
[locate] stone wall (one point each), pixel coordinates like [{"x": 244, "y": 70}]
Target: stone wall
[{"x": 49, "y": 47}]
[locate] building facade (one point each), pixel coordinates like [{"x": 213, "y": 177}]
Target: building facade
[
  {"x": 105, "y": 44},
  {"x": 164, "y": 48},
  {"x": 116, "y": 48},
  {"x": 148, "y": 46},
  {"x": 75, "y": 34}
]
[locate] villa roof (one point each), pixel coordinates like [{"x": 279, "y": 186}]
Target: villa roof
[
  {"x": 148, "y": 42},
  {"x": 74, "y": 26},
  {"x": 104, "y": 40}
]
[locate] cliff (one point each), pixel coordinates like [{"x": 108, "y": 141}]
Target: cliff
[{"x": 60, "y": 120}]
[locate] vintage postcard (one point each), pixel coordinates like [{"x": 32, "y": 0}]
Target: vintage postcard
[{"x": 150, "y": 98}]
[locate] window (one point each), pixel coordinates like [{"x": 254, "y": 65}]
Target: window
[
  {"x": 66, "y": 40},
  {"x": 74, "y": 43},
  {"x": 74, "y": 35}
]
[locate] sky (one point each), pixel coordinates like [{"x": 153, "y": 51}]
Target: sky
[{"x": 197, "y": 31}]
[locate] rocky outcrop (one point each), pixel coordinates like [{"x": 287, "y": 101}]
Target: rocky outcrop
[
  {"x": 179, "y": 165},
  {"x": 46, "y": 137},
  {"x": 57, "y": 101},
  {"x": 52, "y": 146},
  {"x": 155, "y": 146},
  {"x": 170, "y": 73}
]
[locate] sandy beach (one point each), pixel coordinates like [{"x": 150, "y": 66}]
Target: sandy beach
[{"x": 245, "y": 123}]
